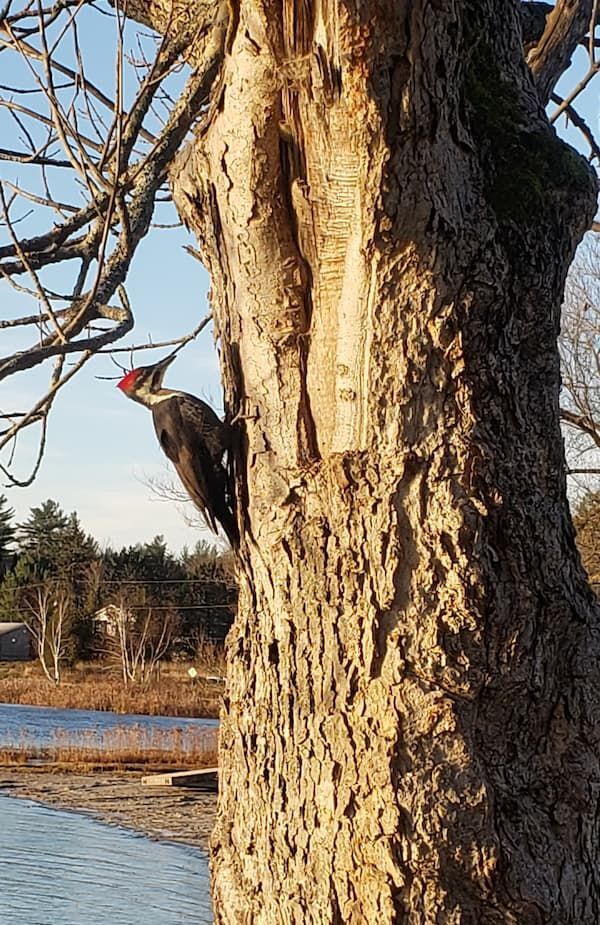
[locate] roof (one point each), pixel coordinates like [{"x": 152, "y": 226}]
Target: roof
[{"x": 11, "y": 627}]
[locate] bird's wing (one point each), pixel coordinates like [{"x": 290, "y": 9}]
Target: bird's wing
[
  {"x": 184, "y": 445},
  {"x": 200, "y": 417}
]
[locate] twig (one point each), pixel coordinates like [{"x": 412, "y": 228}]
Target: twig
[
  {"x": 567, "y": 102},
  {"x": 31, "y": 271},
  {"x": 181, "y": 341},
  {"x": 579, "y": 122}
]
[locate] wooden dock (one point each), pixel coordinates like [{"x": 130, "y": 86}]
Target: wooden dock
[{"x": 200, "y": 779}]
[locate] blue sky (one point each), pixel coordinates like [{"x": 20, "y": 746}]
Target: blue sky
[{"x": 101, "y": 447}]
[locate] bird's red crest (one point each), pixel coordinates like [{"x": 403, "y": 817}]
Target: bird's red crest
[{"x": 128, "y": 381}]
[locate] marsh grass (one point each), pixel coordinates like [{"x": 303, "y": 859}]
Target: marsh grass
[
  {"x": 93, "y": 687},
  {"x": 119, "y": 748}
]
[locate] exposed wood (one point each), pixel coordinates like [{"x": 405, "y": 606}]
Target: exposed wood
[
  {"x": 566, "y": 26},
  {"x": 203, "y": 778}
]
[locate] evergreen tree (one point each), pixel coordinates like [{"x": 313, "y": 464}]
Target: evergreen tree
[
  {"x": 25, "y": 573},
  {"x": 198, "y": 586},
  {"x": 9, "y": 602},
  {"x": 212, "y": 590},
  {"x": 39, "y": 535},
  {"x": 145, "y": 562},
  {"x": 7, "y": 535},
  {"x": 54, "y": 547},
  {"x": 55, "y": 540},
  {"x": 75, "y": 550},
  {"x": 76, "y": 556}
]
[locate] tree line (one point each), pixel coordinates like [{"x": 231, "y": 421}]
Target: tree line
[{"x": 139, "y": 603}]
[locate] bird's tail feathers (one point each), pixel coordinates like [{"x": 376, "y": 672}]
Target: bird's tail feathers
[{"x": 221, "y": 508}]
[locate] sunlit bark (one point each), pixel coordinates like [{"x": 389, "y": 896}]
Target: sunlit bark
[{"x": 409, "y": 733}]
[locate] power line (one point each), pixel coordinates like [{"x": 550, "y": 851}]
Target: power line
[
  {"x": 150, "y": 607},
  {"x": 130, "y": 581}
]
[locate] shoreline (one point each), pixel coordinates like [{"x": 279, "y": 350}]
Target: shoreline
[{"x": 173, "y": 814}]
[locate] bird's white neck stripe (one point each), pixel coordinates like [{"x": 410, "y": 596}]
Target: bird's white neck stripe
[{"x": 155, "y": 398}]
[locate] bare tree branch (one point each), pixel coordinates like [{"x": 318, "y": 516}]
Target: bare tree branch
[
  {"x": 150, "y": 345},
  {"x": 20, "y": 157},
  {"x": 75, "y": 77},
  {"x": 579, "y": 123},
  {"x": 583, "y": 423},
  {"x": 32, "y": 273},
  {"x": 579, "y": 88},
  {"x": 120, "y": 170}
]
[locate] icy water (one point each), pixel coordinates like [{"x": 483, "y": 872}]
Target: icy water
[
  {"x": 60, "y": 868},
  {"x": 39, "y": 725}
]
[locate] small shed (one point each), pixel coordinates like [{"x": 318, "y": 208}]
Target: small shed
[{"x": 15, "y": 643}]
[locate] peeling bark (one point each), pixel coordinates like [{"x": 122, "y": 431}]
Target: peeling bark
[{"x": 410, "y": 733}]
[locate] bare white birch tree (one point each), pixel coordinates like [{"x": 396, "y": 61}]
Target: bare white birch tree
[{"x": 48, "y": 606}]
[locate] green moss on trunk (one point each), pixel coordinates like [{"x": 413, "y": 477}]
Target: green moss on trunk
[{"x": 525, "y": 170}]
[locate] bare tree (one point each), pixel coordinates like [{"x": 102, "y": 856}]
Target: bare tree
[
  {"x": 48, "y": 605},
  {"x": 580, "y": 360},
  {"x": 409, "y": 732},
  {"x": 138, "y": 640}
]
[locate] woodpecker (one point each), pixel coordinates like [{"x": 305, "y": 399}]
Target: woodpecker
[{"x": 193, "y": 438}]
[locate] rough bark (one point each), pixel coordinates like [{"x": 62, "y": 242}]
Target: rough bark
[
  {"x": 410, "y": 733},
  {"x": 192, "y": 25}
]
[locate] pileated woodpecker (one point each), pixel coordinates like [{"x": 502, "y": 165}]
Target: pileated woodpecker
[{"x": 193, "y": 438}]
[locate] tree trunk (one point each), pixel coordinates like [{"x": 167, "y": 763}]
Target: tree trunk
[{"x": 410, "y": 733}]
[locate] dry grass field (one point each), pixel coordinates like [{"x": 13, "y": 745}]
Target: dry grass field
[{"x": 94, "y": 687}]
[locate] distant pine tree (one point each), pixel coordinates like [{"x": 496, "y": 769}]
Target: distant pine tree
[
  {"x": 76, "y": 546},
  {"x": 213, "y": 591},
  {"x": 7, "y": 535},
  {"x": 39, "y": 535},
  {"x": 53, "y": 547}
]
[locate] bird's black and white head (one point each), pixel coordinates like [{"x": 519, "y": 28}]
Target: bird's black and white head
[{"x": 144, "y": 384}]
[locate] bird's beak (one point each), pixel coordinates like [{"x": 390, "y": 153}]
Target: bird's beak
[
  {"x": 157, "y": 372},
  {"x": 163, "y": 364}
]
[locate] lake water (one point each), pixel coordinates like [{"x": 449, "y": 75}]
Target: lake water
[
  {"x": 39, "y": 725},
  {"x": 62, "y": 868}
]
